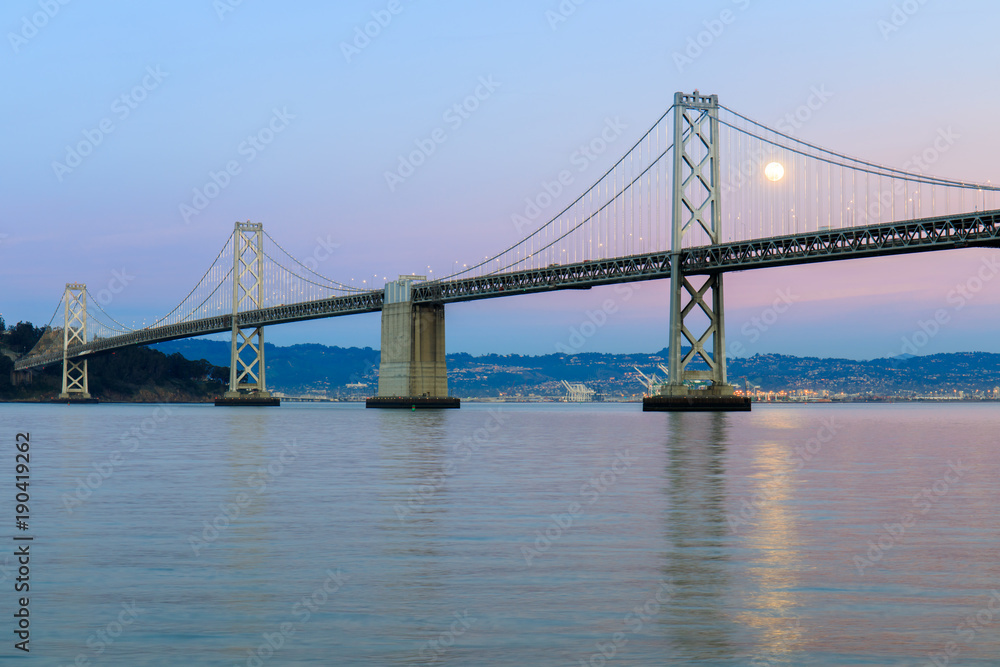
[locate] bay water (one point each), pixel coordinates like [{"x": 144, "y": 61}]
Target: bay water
[{"x": 505, "y": 534}]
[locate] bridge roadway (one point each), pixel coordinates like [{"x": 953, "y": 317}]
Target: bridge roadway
[{"x": 927, "y": 234}]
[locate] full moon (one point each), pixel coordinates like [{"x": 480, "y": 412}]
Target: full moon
[{"x": 774, "y": 171}]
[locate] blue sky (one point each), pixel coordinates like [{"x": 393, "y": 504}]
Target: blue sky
[{"x": 198, "y": 78}]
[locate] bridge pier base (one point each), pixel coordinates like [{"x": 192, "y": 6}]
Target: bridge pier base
[
  {"x": 696, "y": 400},
  {"x": 412, "y": 371},
  {"x": 18, "y": 378}
]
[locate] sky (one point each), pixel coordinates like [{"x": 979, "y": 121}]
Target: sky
[{"x": 291, "y": 114}]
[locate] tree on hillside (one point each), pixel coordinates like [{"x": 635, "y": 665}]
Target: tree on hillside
[{"x": 22, "y": 337}]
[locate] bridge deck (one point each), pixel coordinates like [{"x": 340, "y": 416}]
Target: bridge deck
[
  {"x": 942, "y": 233},
  {"x": 928, "y": 234}
]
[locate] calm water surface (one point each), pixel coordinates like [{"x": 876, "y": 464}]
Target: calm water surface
[{"x": 508, "y": 535}]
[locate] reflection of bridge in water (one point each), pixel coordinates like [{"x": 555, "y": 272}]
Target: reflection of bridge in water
[{"x": 704, "y": 192}]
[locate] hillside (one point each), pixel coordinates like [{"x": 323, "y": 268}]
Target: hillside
[
  {"x": 197, "y": 370},
  {"x": 136, "y": 374},
  {"x": 304, "y": 368}
]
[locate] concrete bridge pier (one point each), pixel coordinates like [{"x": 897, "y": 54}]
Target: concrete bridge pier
[
  {"x": 412, "y": 372},
  {"x": 19, "y": 378}
]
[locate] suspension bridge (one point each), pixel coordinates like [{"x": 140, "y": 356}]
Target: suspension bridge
[{"x": 704, "y": 192}]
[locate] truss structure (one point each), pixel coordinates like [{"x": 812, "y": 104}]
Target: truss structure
[
  {"x": 695, "y": 205},
  {"x": 247, "y": 370},
  {"x": 74, "y": 379}
]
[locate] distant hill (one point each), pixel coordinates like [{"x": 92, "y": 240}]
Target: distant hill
[
  {"x": 196, "y": 369},
  {"x": 302, "y": 368},
  {"x": 957, "y": 371},
  {"x": 293, "y": 368}
]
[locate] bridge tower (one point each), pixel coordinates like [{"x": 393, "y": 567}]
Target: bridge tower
[
  {"x": 696, "y": 205},
  {"x": 74, "y": 380},
  {"x": 412, "y": 371},
  {"x": 246, "y": 369}
]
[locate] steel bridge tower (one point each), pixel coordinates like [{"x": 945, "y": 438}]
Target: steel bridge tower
[
  {"x": 696, "y": 206},
  {"x": 246, "y": 369},
  {"x": 74, "y": 379}
]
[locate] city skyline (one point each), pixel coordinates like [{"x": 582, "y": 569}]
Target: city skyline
[{"x": 248, "y": 103}]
